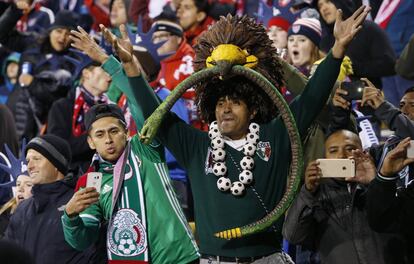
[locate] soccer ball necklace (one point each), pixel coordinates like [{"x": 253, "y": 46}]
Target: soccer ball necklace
[{"x": 247, "y": 163}]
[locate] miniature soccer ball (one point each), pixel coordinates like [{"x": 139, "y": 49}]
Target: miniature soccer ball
[
  {"x": 219, "y": 169},
  {"x": 223, "y": 184},
  {"x": 247, "y": 163},
  {"x": 218, "y": 154},
  {"x": 254, "y": 128},
  {"x": 214, "y": 132},
  {"x": 246, "y": 177},
  {"x": 237, "y": 188},
  {"x": 217, "y": 142},
  {"x": 252, "y": 138},
  {"x": 249, "y": 149}
]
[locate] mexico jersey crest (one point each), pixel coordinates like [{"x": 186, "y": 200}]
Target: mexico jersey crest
[
  {"x": 264, "y": 150},
  {"x": 127, "y": 235}
]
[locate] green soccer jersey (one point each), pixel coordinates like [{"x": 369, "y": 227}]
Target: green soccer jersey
[{"x": 147, "y": 224}]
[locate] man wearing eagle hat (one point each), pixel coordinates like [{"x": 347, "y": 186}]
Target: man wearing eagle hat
[{"x": 238, "y": 170}]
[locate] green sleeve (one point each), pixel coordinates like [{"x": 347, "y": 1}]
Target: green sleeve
[
  {"x": 310, "y": 102},
  {"x": 119, "y": 79},
  {"x": 81, "y": 231},
  {"x": 295, "y": 81},
  {"x": 113, "y": 93}
]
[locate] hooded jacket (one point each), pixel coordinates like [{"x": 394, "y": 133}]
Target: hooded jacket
[
  {"x": 370, "y": 51},
  {"x": 8, "y": 87}
]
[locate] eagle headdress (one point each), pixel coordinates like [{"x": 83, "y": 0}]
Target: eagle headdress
[{"x": 243, "y": 41}]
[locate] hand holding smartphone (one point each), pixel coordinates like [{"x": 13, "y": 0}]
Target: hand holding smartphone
[
  {"x": 94, "y": 179},
  {"x": 355, "y": 90},
  {"x": 337, "y": 168}
]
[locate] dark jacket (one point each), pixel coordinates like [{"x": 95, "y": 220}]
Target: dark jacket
[
  {"x": 60, "y": 124},
  {"x": 370, "y": 51},
  {"x": 37, "y": 227},
  {"x": 333, "y": 222},
  {"x": 390, "y": 213}
]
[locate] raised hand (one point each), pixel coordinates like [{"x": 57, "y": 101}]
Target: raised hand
[
  {"x": 396, "y": 159},
  {"x": 122, "y": 46},
  {"x": 345, "y": 30},
  {"x": 339, "y": 101},
  {"x": 312, "y": 176},
  {"x": 365, "y": 167},
  {"x": 372, "y": 96},
  {"x": 85, "y": 43}
]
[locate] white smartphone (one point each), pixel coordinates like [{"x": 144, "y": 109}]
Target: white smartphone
[
  {"x": 94, "y": 179},
  {"x": 410, "y": 150},
  {"x": 337, "y": 168}
]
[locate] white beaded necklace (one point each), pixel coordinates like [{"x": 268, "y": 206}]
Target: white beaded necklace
[{"x": 247, "y": 163}]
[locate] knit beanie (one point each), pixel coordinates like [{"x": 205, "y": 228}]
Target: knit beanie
[
  {"x": 54, "y": 149},
  {"x": 279, "y": 22},
  {"x": 65, "y": 19},
  {"x": 309, "y": 27},
  {"x": 169, "y": 26},
  {"x": 102, "y": 110}
]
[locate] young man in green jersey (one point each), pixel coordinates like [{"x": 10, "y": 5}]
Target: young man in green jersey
[{"x": 145, "y": 222}]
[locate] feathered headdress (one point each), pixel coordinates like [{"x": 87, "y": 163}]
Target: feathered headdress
[
  {"x": 12, "y": 165},
  {"x": 244, "y": 42}
]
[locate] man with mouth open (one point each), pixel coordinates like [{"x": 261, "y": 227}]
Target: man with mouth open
[{"x": 36, "y": 225}]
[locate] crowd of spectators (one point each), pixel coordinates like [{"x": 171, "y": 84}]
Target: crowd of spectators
[{"x": 59, "y": 60}]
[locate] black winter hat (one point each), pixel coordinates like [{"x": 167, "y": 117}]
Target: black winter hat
[
  {"x": 102, "y": 110},
  {"x": 54, "y": 148},
  {"x": 65, "y": 19}
]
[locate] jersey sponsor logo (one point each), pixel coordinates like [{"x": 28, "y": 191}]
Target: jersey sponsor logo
[
  {"x": 264, "y": 150},
  {"x": 127, "y": 237}
]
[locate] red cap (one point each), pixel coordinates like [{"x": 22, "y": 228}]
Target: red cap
[{"x": 279, "y": 22}]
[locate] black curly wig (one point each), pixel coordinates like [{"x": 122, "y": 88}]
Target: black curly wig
[
  {"x": 236, "y": 88},
  {"x": 245, "y": 33}
]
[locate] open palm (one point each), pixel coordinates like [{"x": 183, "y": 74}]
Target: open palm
[
  {"x": 345, "y": 30},
  {"x": 122, "y": 46}
]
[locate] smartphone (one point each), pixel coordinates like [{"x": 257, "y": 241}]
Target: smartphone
[
  {"x": 410, "y": 150},
  {"x": 337, "y": 168},
  {"x": 355, "y": 90},
  {"x": 94, "y": 179}
]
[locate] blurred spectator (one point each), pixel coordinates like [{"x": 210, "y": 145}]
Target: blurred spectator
[
  {"x": 401, "y": 120},
  {"x": 9, "y": 70},
  {"x": 303, "y": 43},
  {"x": 178, "y": 66},
  {"x": 390, "y": 209},
  {"x": 66, "y": 116},
  {"x": 36, "y": 225},
  {"x": 36, "y": 18},
  {"x": 404, "y": 65},
  {"x": 118, "y": 13},
  {"x": 193, "y": 16},
  {"x": 56, "y": 6},
  {"x": 99, "y": 10},
  {"x": 371, "y": 53},
  {"x": 46, "y": 74},
  {"x": 329, "y": 215},
  {"x": 278, "y": 28}
]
